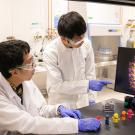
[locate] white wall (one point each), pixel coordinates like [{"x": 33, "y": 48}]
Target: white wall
[
  {"x": 22, "y": 19},
  {"x": 5, "y": 19},
  {"x": 30, "y": 17}
]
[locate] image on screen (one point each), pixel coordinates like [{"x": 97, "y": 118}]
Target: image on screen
[{"x": 125, "y": 71}]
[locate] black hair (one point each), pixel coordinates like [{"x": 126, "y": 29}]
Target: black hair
[
  {"x": 12, "y": 55},
  {"x": 71, "y": 24}
]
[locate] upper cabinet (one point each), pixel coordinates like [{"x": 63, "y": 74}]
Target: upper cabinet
[
  {"x": 98, "y": 13},
  {"x": 103, "y": 13}
]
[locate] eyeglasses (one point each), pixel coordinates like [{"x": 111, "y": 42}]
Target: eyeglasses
[
  {"x": 29, "y": 66},
  {"x": 76, "y": 43}
]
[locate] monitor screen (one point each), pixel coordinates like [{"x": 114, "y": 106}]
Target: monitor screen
[{"x": 125, "y": 71}]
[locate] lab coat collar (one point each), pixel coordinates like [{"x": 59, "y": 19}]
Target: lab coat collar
[{"x": 6, "y": 87}]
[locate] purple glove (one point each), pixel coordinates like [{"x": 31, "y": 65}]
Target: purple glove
[
  {"x": 97, "y": 85},
  {"x": 88, "y": 124},
  {"x": 69, "y": 112}
]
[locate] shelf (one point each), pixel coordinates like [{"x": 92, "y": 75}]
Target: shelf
[{"x": 106, "y": 63}]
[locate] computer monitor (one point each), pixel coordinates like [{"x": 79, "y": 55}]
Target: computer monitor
[{"x": 125, "y": 71}]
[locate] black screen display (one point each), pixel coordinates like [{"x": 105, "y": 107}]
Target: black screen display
[{"x": 125, "y": 71}]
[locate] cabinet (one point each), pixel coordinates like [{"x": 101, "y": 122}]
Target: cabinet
[{"x": 103, "y": 13}]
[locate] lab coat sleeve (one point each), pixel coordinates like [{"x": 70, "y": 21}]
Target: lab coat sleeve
[
  {"x": 90, "y": 63},
  {"x": 45, "y": 110},
  {"x": 55, "y": 82},
  {"x": 14, "y": 119}
]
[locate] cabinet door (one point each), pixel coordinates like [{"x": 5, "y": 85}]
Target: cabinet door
[
  {"x": 103, "y": 13},
  {"x": 5, "y": 19}
]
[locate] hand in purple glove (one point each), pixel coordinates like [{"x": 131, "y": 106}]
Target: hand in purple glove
[
  {"x": 69, "y": 112},
  {"x": 88, "y": 124},
  {"x": 97, "y": 85}
]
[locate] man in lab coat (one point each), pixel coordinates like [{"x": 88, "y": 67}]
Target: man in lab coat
[
  {"x": 23, "y": 109},
  {"x": 69, "y": 61}
]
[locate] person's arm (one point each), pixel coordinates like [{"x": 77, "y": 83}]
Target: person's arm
[
  {"x": 40, "y": 101},
  {"x": 14, "y": 119},
  {"x": 55, "y": 81},
  {"x": 50, "y": 110}
]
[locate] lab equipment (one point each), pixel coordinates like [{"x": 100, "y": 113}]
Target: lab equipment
[
  {"x": 88, "y": 124},
  {"x": 97, "y": 85},
  {"x": 108, "y": 107},
  {"x": 69, "y": 112}
]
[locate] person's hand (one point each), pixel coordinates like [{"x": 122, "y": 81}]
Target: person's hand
[
  {"x": 69, "y": 112},
  {"x": 88, "y": 124},
  {"x": 97, "y": 85}
]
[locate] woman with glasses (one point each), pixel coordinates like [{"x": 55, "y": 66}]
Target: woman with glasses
[
  {"x": 23, "y": 109},
  {"x": 69, "y": 61}
]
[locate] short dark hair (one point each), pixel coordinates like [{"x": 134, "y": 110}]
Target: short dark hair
[
  {"x": 71, "y": 24},
  {"x": 12, "y": 55}
]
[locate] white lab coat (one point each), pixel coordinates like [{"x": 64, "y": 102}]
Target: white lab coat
[
  {"x": 68, "y": 72},
  {"x": 29, "y": 117}
]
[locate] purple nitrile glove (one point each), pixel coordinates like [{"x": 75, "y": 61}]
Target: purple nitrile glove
[
  {"x": 64, "y": 112},
  {"x": 88, "y": 124},
  {"x": 97, "y": 85}
]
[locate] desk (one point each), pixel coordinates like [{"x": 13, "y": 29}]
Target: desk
[{"x": 126, "y": 128}]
